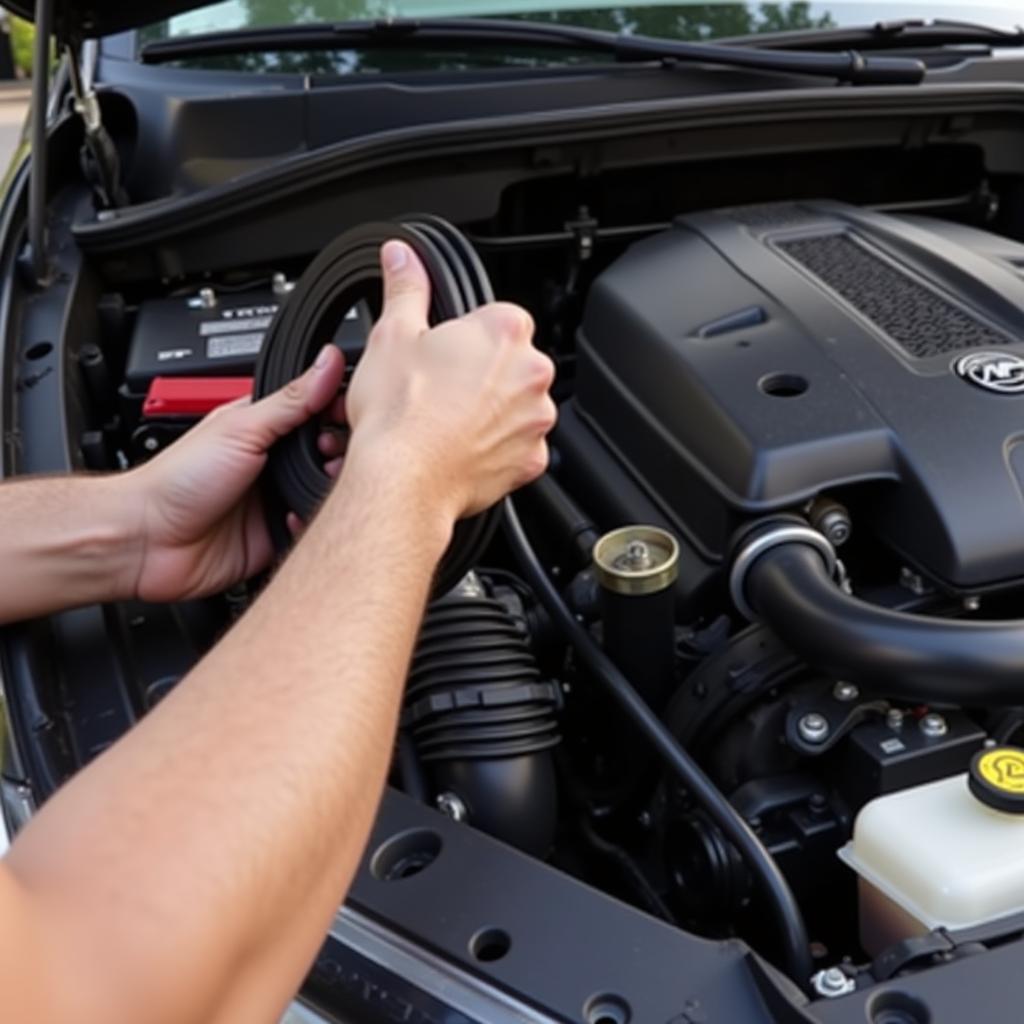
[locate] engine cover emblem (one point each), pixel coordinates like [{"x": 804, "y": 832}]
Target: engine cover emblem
[{"x": 1001, "y": 372}]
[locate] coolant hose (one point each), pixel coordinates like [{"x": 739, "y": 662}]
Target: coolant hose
[
  {"x": 775, "y": 888},
  {"x": 913, "y": 657},
  {"x": 346, "y": 272}
]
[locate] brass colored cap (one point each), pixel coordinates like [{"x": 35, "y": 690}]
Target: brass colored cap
[{"x": 636, "y": 560}]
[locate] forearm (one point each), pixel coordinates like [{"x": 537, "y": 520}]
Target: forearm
[
  {"x": 298, "y": 704},
  {"x": 66, "y": 541}
]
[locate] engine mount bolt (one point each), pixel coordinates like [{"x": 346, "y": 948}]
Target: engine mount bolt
[
  {"x": 894, "y": 718},
  {"x": 451, "y": 805},
  {"x": 813, "y": 728},
  {"x": 832, "y": 983},
  {"x": 845, "y": 692},
  {"x": 933, "y": 725}
]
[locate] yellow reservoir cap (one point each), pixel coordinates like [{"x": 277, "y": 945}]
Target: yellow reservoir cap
[{"x": 996, "y": 778}]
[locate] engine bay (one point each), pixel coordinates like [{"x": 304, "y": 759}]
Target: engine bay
[
  {"x": 785, "y": 504},
  {"x": 762, "y": 377}
]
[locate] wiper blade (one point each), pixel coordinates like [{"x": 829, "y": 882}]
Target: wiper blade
[
  {"x": 884, "y": 35},
  {"x": 852, "y": 66}
]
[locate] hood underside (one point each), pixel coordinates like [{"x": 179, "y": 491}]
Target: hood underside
[{"x": 103, "y": 17}]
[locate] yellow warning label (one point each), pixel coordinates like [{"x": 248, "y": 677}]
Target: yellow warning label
[{"x": 1003, "y": 769}]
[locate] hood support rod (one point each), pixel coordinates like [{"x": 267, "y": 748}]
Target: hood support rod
[{"x": 38, "y": 256}]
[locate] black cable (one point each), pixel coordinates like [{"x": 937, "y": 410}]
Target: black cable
[
  {"x": 410, "y": 771},
  {"x": 348, "y": 271},
  {"x": 629, "y": 869},
  {"x": 796, "y": 952}
]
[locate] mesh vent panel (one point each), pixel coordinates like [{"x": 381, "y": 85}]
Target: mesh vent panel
[{"x": 919, "y": 319}]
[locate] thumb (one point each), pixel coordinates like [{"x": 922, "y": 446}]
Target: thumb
[
  {"x": 406, "y": 289},
  {"x": 269, "y": 419}
]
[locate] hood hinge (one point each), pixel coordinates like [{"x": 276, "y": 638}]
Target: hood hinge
[{"x": 100, "y": 163}]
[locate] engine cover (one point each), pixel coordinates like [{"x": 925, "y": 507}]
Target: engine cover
[{"x": 748, "y": 359}]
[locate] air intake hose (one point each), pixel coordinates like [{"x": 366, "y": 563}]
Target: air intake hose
[
  {"x": 346, "y": 272},
  {"x": 913, "y": 657},
  {"x": 482, "y": 719}
]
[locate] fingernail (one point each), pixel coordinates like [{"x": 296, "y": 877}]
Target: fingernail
[
  {"x": 394, "y": 256},
  {"x": 321, "y": 359}
]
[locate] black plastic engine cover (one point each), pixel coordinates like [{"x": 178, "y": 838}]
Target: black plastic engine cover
[{"x": 751, "y": 358}]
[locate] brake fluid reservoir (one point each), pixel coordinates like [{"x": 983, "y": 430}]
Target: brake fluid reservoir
[{"x": 947, "y": 854}]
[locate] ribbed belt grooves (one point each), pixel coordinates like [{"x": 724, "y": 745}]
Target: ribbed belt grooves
[{"x": 344, "y": 273}]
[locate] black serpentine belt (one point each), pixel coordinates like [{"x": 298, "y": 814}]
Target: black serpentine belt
[{"x": 346, "y": 272}]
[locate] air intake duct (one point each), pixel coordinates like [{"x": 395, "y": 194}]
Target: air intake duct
[
  {"x": 916, "y": 657},
  {"x": 482, "y": 720}
]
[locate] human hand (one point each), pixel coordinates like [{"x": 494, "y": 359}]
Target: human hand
[
  {"x": 199, "y": 516},
  {"x": 464, "y": 405}
]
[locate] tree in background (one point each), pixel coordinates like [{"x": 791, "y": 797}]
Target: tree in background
[
  {"x": 22, "y": 35},
  {"x": 693, "y": 21}
]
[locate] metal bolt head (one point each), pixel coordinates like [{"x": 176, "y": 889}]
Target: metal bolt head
[
  {"x": 151, "y": 444},
  {"x": 280, "y": 284},
  {"x": 451, "y": 805},
  {"x": 836, "y": 526},
  {"x": 833, "y": 982},
  {"x": 894, "y": 718},
  {"x": 972, "y": 603},
  {"x": 933, "y": 725},
  {"x": 813, "y": 728},
  {"x": 913, "y": 581},
  {"x": 207, "y": 298},
  {"x": 845, "y": 692}
]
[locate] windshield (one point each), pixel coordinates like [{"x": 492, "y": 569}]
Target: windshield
[{"x": 705, "y": 21}]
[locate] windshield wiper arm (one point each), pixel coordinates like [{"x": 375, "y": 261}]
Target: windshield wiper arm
[
  {"x": 852, "y": 66},
  {"x": 883, "y": 35}
]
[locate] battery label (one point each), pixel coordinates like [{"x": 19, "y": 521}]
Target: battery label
[
  {"x": 225, "y": 345},
  {"x": 253, "y": 323}
]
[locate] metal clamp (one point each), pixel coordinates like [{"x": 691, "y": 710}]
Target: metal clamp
[{"x": 759, "y": 544}]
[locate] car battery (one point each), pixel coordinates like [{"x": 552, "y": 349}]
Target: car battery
[
  {"x": 216, "y": 335},
  {"x": 181, "y": 346}
]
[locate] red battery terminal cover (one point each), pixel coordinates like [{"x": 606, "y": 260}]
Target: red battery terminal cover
[{"x": 192, "y": 397}]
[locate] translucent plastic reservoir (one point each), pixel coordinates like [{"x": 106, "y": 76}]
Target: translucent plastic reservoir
[{"x": 934, "y": 856}]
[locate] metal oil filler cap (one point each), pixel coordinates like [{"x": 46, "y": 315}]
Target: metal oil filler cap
[{"x": 636, "y": 560}]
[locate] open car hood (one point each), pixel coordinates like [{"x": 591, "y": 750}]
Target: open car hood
[{"x": 102, "y": 17}]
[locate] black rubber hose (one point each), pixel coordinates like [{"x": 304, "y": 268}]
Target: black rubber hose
[
  {"x": 909, "y": 656},
  {"x": 346, "y": 272},
  {"x": 796, "y": 953},
  {"x": 410, "y": 771}
]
